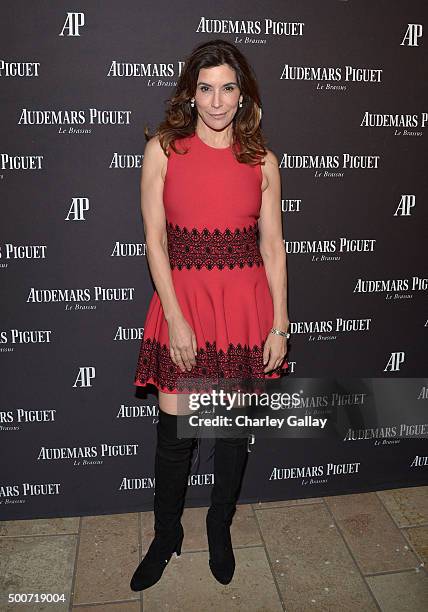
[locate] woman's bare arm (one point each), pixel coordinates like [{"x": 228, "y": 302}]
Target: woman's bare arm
[
  {"x": 274, "y": 257},
  {"x": 182, "y": 339},
  {"x": 271, "y": 241},
  {"x": 152, "y": 209}
]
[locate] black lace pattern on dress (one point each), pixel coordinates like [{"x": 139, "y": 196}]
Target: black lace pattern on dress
[
  {"x": 213, "y": 249},
  {"x": 239, "y": 362}
]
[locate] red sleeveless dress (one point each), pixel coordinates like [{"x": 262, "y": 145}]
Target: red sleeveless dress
[{"x": 212, "y": 204}]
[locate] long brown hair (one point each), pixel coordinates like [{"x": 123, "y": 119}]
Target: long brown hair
[{"x": 249, "y": 145}]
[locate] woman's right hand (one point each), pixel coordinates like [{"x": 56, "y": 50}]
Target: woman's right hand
[{"x": 182, "y": 342}]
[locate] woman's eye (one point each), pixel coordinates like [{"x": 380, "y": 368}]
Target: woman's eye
[{"x": 228, "y": 88}]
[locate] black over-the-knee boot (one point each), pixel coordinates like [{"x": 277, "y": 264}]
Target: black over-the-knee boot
[
  {"x": 229, "y": 465},
  {"x": 172, "y": 468}
]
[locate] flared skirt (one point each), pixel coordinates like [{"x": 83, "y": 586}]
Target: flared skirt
[{"x": 231, "y": 314}]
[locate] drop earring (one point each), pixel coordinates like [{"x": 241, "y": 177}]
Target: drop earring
[
  {"x": 192, "y": 102},
  {"x": 240, "y": 103}
]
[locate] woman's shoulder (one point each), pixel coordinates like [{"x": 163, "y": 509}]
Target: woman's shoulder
[
  {"x": 270, "y": 158},
  {"x": 270, "y": 169},
  {"x": 154, "y": 147},
  {"x": 269, "y": 163},
  {"x": 154, "y": 156}
]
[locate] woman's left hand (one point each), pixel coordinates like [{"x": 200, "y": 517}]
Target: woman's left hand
[{"x": 274, "y": 351}]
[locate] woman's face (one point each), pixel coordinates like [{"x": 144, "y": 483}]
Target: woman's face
[{"x": 217, "y": 96}]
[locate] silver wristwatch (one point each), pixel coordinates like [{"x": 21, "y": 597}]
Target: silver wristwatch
[{"x": 280, "y": 333}]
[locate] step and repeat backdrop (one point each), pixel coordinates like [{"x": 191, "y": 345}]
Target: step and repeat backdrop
[{"x": 343, "y": 86}]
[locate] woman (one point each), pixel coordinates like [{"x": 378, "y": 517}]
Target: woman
[{"x": 210, "y": 200}]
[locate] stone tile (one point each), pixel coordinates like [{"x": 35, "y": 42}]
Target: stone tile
[
  {"x": 40, "y": 526},
  {"x": 37, "y": 564},
  {"x": 374, "y": 539},
  {"x": 108, "y": 556},
  {"x": 418, "y": 538},
  {"x": 401, "y": 592},
  {"x": 408, "y": 506},
  {"x": 123, "y": 606},
  {"x": 312, "y": 565},
  {"x": 187, "y": 584},
  {"x": 245, "y": 529},
  {"x": 287, "y": 502}
]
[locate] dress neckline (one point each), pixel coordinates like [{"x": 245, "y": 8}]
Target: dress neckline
[{"x": 209, "y": 146}]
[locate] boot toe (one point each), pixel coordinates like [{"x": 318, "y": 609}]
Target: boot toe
[
  {"x": 145, "y": 576},
  {"x": 220, "y": 574}
]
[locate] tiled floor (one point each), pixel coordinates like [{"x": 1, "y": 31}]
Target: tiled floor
[{"x": 359, "y": 552}]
